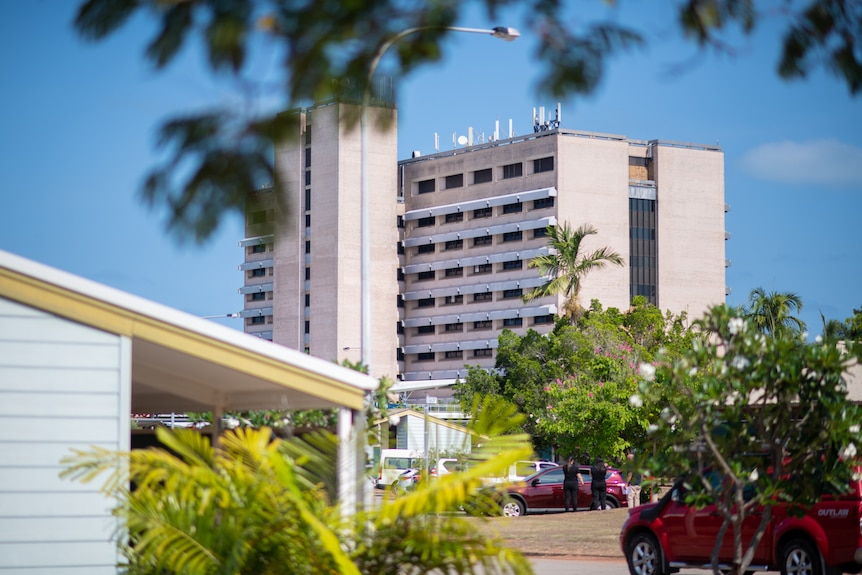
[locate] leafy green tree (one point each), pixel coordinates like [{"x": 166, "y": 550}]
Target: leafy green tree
[
  {"x": 216, "y": 156},
  {"x": 749, "y": 420},
  {"x": 567, "y": 266},
  {"x": 573, "y": 384},
  {"x": 258, "y": 504},
  {"x": 772, "y": 312}
]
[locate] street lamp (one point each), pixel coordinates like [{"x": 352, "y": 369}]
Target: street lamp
[{"x": 501, "y": 32}]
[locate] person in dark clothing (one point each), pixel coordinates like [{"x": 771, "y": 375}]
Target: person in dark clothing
[
  {"x": 572, "y": 479},
  {"x": 599, "y": 486}
]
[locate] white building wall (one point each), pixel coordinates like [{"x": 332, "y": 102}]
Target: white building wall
[
  {"x": 691, "y": 229},
  {"x": 63, "y": 386}
]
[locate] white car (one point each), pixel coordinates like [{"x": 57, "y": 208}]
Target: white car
[{"x": 520, "y": 470}]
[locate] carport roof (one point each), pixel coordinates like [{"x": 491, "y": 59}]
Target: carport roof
[{"x": 181, "y": 362}]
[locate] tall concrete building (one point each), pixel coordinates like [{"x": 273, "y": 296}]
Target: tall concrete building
[{"x": 453, "y": 231}]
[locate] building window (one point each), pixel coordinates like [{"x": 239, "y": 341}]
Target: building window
[
  {"x": 513, "y": 322},
  {"x": 483, "y": 352},
  {"x": 481, "y": 325},
  {"x": 543, "y": 165},
  {"x": 426, "y": 302},
  {"x": 425, "y": 222},
  {"x": 456, "y": 217},
  {"x": 540, "y": 232},
  {"x": 429, "y": 275},
  {"x": 513, "y": 265},
  {"x": 307, "y": 299},
  {"x": 543, "y": 203},
  {"x": 258, "y": 217},
  {"x": 307, "y": 273},
  {"x": 482, "y": 213},
  {"x": 482, "y": 269},
  {"x": 424, "y": 329},
  {"x": 426, "y": 356},
  {"x": 510, "y": 293},
  {"x": 258, "y": 273},
  {"x": 307, "y": 326},
  {"x": 543, "y": 319},
  {"x": 453, "y": 299},
  {"x": 307, "y": 177},
  {"x": 425, "y": 249},
  {"x": 454, "y": 272},
  {"x": 513, "y": 236},
  {"x": 257, "y": 296},
  {"x": 482, "y": 176},
  {"x": 308, "y": 220},
  {"x": 454, "y": 244},
  {"x": 307, "y": 157},
  {"x": 307, "y": 199},
  {"x": 425, "y": 186},
  {"x": 482, "y": 241},
  {"x": 454, "y": 327},
  {"x": 308, "y": 247},
  {"x": 482, "y": 296},
  {"x": 258, "y": 249},
  {"x": 454, "y": 354},
  {"x": 455, "y": 181},
  {"x": 513, "y": 170},
  {"x": 513, "y": 208},
  {"x": 642, "y": 233},
  {"x": 642, "y": 261},
  {"x": 257, "y": 320}
]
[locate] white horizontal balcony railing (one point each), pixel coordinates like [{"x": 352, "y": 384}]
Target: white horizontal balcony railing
[
  {"x": 471, "y": 205},
  {"x": 499, "y": 229},
  {"x": 256, "y": 241},
  {"x": 523, "y": 283},
  {"x": 256, "y": 312},
  {"x": 451, "y": 346},
  {"x": 476, "y": 260},
  {"x": 488, "y": 315},
  {"x": 257, "y": 264},
  {"x": 256, "y": 288}
]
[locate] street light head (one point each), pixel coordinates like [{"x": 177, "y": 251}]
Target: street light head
[{"x": 505, "y": 33}]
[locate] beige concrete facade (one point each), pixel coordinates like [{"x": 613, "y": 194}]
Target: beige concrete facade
[
  {"x": 316, "y": 259},
  {"x": 452, "y": 234},
  {"x": 524, "y": 184}
]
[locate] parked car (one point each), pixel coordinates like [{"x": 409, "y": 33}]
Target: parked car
[
  {"x": 447, "y": 465},
  {"x": 393, "y": 463},
  {"x": 660, "y": 538},
  {"x": 543, "y": 492},
  {"x": 520, "y": 471}
]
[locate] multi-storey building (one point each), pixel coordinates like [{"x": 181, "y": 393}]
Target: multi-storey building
[{"x": 453, "y": 233}]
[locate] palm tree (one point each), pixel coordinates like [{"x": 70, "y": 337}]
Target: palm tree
[
  {"x": 565, "y": 267},
  {"x": 258, "y": 504},
  {"x": 773, "y": 313}
]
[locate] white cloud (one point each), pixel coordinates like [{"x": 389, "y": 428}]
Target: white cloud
[{"x": 827, "y": 162}]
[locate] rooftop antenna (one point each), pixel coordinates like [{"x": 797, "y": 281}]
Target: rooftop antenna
[{"x": 436, "y": 142}]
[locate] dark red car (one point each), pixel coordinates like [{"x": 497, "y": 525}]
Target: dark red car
[
  {"x": 663, "y": 537},
  {"x": 542, "y": 492}
]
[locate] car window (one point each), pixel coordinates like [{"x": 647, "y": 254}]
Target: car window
[
  {"x": 585, "y": 474},
  {"x": 547, "y": 465},
  {"x": 524, "y": 468},
  {"x": 451, "y": 466},
  {"x": 397, "y": 463},
  {"x": 552, "y": 476}
]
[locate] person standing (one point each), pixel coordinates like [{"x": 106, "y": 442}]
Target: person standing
[
  {"x": 633, "y": 480},
  {"x": 572, "y": 479},
  {"x": 599, "y": 486}
]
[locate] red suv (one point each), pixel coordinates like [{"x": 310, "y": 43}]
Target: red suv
[
  {"x": 542, "y": 492},
  {"x": 660, "y": 538}
]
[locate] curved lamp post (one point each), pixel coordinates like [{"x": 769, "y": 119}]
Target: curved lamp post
[{"x": 502, "y": 32}]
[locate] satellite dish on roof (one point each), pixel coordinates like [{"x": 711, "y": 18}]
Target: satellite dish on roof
[{"x": 462, "y": 140}]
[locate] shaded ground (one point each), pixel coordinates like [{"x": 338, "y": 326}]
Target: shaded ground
[{"x": 585, "y": 533}]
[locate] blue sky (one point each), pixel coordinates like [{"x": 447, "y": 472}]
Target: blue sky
[{"x": 78, "y": 121}]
